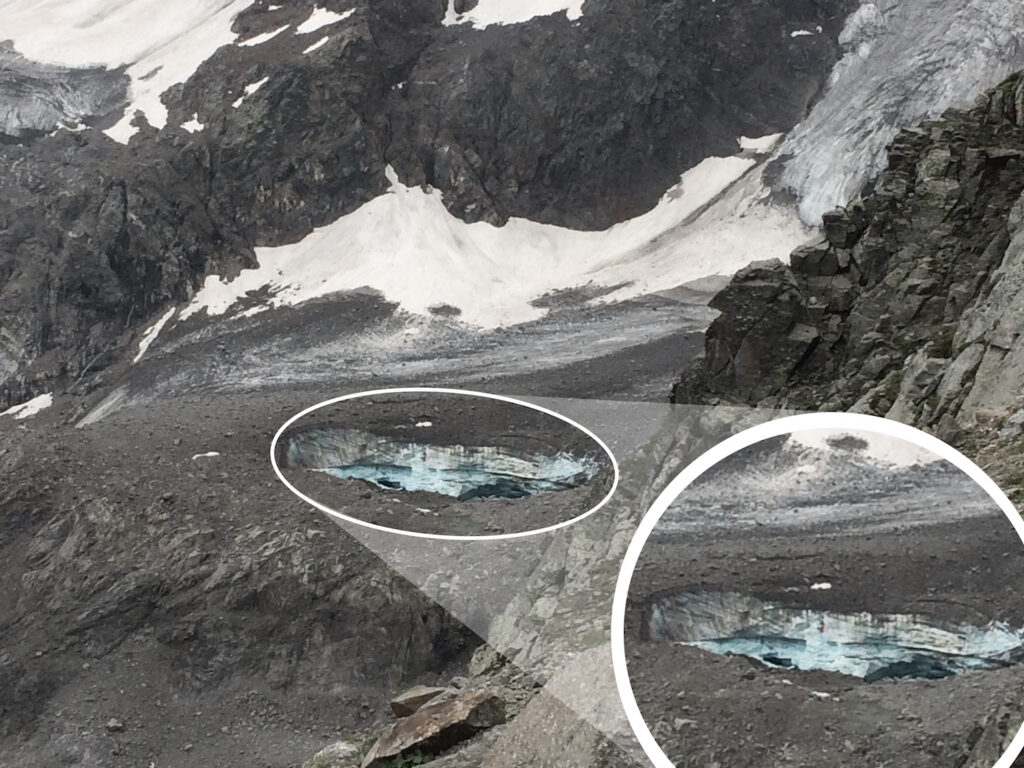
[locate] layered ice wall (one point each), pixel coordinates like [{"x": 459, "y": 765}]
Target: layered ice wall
[
  {"x": 851, "y": 643},
  {"x": 905, "y": 60},
  {"x": 457, "y": 470}
]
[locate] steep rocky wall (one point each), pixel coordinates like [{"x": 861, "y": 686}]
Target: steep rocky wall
[{"x": 909, "y": 305}]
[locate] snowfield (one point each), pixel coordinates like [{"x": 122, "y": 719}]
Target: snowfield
[{"x": 406, "y": 245}]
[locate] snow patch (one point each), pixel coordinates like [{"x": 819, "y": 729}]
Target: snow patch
[
  {"x": 30, "y": 408},
  {"x": 424, "y": 424},
  {"x": 488, "y": 12},
  {"x": 320, "y": 18},
  {"x": 193, "y": 125},
  {"x": 405, "y": 244},
  {"x": 318, "y": 44},
  {"x": 208, "y": 455},
  {"x": 150, "y": 335},
  {"x": 760, "y": 145},
  {"x": 260, "y": 39},
  {"x": 250, "y": 89},
  {"x": 801, "y": 33},
  {"x": 821, "y": 586}
]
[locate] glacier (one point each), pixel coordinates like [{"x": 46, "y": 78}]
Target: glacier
[{"x": 904, "y": 61}]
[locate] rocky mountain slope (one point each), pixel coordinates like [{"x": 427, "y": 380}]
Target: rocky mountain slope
[
  {"x": 295, "y": 123},
  {"x": 908, "y": 306}
]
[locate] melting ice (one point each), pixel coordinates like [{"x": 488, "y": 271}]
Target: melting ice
[
  {"x": 463, "y": 472},
  {"x": 872, "y": 646}
]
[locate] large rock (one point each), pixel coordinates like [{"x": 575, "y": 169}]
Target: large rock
[
  {"x": 763, "y": 335},
  {"x": 438, "y": 727}
]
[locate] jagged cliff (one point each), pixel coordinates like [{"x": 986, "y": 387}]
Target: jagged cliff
[{"x": 908, "y": 305}]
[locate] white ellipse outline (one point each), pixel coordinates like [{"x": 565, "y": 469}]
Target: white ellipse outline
[
  {"x": 724, "y": 449},
  {"x": 440, "y": 536}
]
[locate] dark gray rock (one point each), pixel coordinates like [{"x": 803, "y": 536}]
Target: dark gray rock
[{"x": 904, "y": 290}]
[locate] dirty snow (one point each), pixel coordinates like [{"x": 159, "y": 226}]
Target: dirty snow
[
  {"x": 488, "y": 12},
  {"x": 30, "y": 408},
  {"x": 152, "y": 332},
  {"x": 406, "y": 245},
  {"x": 320, "y": 18}
]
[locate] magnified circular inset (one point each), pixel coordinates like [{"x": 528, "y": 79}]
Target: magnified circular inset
[
  {"x": 444, "y": 463},
  {"x": 828, "y": 589}
]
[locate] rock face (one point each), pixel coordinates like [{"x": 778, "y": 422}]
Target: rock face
[
  {"x": 571, "y": 123},
  {"x": 909, "y": 305}
]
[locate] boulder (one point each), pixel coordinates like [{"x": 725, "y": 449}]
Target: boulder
[{"x": 438, "y": 727}]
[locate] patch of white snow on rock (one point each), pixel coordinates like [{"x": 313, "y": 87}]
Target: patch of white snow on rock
[
  {"x": 150, "y": 335},
  {"x": 320, "y": 18},
  {"x": 30, "y": 408},
  {"x": 489, "y": 12}
]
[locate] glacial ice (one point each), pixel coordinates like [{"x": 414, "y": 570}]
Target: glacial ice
[
  {"x": 859, "y": 644},
  {"x": 904, "y": 61},
  {"x": 459, "y": 471}
]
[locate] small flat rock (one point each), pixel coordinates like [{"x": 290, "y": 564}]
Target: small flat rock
[
  {"x": 438, "y": 727},
  {"x": 409, "y": 702},
  {"x": 113, "y": 724}
]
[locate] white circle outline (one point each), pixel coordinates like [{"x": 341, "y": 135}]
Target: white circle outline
[
  {"x": 775, "y": 428},
  {"x": 440, "y": 536}
]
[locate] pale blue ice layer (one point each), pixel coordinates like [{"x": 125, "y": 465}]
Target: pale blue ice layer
[
  {"x": 857, "y": 659},
  {"x": 547, "y": 474}
]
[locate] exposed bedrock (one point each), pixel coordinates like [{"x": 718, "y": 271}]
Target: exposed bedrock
[{"x": 909, "y": 306}]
